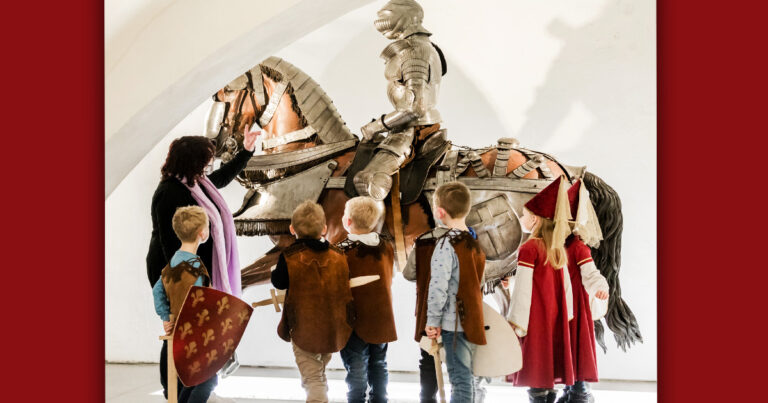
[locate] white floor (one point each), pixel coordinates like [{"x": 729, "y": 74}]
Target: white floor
[{"x": 139, "y": 383}]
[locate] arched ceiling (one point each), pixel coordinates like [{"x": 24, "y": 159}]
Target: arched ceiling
[{"x": 163, "y": 57}]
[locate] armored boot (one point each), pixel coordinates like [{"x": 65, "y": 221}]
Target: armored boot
[
  {"x": 539, "y": 395},
  {"x": 564, "y": 398},
  {"x": 375, "y": 180}
]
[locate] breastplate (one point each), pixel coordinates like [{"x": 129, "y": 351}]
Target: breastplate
[{"x": 418, "y": 53}]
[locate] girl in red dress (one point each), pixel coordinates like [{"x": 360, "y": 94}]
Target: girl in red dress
[
  {"x": 541, "y": 300},
  {"x": 588, "y": 285}
]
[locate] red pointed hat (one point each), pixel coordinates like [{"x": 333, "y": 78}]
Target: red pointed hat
[
  {"x": 545, "y": 202},
  {"x": 573, "y": 197}
]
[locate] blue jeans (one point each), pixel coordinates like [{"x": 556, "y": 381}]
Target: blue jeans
[
  {"x": 194, "y": 394},
  {"x": 366, "y": 364},
  {"x": 199, "y": 393},
  {"x": 458, "y": 358}
]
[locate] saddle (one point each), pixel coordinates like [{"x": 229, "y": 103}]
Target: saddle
[{"x": 413, "y": 176}]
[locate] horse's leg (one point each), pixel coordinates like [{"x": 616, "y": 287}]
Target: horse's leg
[{"x": 260, "y": 271}]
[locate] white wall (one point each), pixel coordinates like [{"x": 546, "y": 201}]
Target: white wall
[
  {"x": 575, "y": 79},
  {"x": 162, "y": 57}
]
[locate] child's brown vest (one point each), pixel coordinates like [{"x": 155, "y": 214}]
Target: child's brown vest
[
  {"x": 318, "y": 304},
  {"x": 177, "y": 281},
  {"x": 423, "y": 250},
  {"x": 374, "y": 321},
  {"x": 469, "y": 298}
]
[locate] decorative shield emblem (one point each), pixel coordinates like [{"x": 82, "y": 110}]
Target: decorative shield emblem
[{"x": 208, "y": 329}]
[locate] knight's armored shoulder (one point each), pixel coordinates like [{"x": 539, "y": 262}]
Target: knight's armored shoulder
[{"x": 413, "y": 47}]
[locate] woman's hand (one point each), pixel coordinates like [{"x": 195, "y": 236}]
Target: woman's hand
[
  {"x": 601, "y": 294},
  {"x": 249, "y": 138}
]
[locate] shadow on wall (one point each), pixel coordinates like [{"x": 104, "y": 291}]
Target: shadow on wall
[
  {"x": 463, "y": 107},
  {"x": 599, "y": 74}
]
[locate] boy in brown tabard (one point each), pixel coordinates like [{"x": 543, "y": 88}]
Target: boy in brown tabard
[
  {"x": 365, "y": 355},
  {"x": 184, "y": 270},
  {"x": 318, "y": 302},
  {"x": 417, "y": 269},
  {"x": 449, "y": 269}
]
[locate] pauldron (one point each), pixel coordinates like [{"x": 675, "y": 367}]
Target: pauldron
[{"x": 414, "y": 71}]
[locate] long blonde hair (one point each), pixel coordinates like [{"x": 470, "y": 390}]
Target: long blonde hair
[{"x": 545, "y": 230}]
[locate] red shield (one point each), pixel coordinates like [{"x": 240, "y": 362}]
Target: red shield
[{"x": 208, "y": 329}]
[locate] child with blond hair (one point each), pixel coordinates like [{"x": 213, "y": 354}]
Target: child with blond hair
[
  {"x": 541, "y": 301},
  {"x": 368, "y": 254},
  {"x": 318, "y": 309},
  {"x": 185, "y": 270}
]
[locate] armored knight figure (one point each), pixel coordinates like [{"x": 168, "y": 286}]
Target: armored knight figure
[{"x": 414, "y": 67}]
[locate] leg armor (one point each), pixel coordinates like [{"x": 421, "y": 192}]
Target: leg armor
[{"x": 376, "y": 179}]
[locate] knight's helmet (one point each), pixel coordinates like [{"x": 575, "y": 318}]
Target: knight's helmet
[{"x": 399, "y": 19}]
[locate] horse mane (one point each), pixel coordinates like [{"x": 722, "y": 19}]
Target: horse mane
[
  {"x": 276, "y": 76},
  {"x": 310, "y": 102}
]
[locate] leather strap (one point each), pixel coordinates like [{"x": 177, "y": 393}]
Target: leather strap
[
  {"x": 397, "y": 223},
  {"x": 274, "y": 101},
  {"x": 294, "y": 136}
]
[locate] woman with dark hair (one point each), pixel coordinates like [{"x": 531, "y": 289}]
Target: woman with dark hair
[{"x": 185, "y": 183}]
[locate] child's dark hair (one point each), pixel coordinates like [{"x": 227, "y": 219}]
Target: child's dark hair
[{"x": 187, "y": 158}]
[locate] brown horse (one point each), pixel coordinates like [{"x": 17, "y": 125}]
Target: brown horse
[{"x": 287, "y": 102}]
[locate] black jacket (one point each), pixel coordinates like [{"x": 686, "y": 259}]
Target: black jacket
[{"x": 172, "y": 194}]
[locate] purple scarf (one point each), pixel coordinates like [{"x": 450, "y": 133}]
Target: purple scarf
[{"x": 226, "y": 263}]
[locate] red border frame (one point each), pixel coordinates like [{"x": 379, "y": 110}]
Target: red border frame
[
  {"x": 712, "y": 85},
  {"x": 53, "y": 338},
  {"x": 711, "y": 151}
]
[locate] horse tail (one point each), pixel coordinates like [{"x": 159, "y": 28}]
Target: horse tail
[{"x": 607, "y": 257}]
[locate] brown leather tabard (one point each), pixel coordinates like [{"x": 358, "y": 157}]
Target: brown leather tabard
[
  {"x": 177, "y": 281},
  {"x": 318, "y": 303},
  {"x": 375, "y": 320},
  {"x": 423, "y": 250},
  {"x": 469, "y": 298}
]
